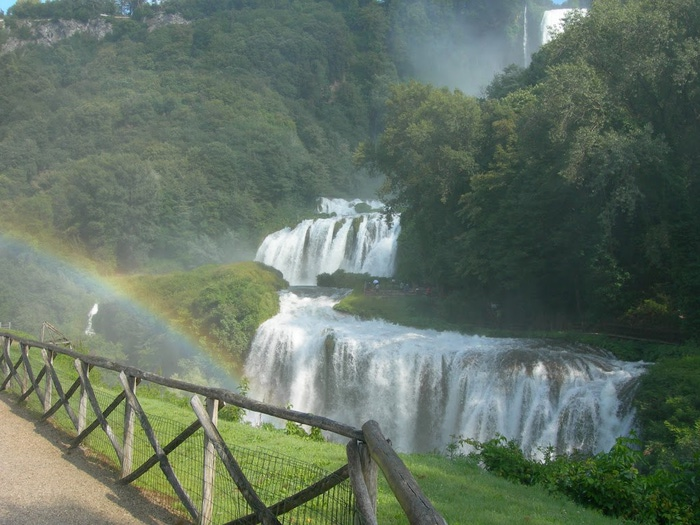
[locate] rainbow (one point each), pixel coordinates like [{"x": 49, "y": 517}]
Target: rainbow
[{"x": 44, "y": 287}]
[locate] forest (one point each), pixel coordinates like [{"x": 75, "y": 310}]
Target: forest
[
  {"x": 571, "y": 189},
  {"x": 142, "y": 139},
  {"x": 562, "y": 192},
  {"x": 550, "y": 188},
  {"x": 168, "y": 146}
]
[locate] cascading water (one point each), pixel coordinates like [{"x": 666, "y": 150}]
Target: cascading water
[
  {"x": 424, "y": 387},
  {"x": 91, "y": 314},
  {"x": 357, "y": 242},
  {"x": 525, "y": 53},
  {"x": 553, "y": 22}
]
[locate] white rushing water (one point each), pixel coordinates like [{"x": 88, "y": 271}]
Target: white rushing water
[
  {"x": 93, "y": 311},
  {"x": 347, "y": 240},
  {"x": 553, "y": 22},
  {"x": 424, "y": 387},
  {"x": 526, "y": 56}
]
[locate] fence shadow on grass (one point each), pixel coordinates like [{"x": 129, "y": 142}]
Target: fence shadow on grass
[{"x": 200, "y": 475}]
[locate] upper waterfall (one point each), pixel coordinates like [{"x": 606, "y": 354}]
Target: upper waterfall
[
  {"x": 351, "y": 239},
  {"x": 525, "y": 55},
  {"x": 553, "y": 22},
  {"x": 423, "y": 386}
]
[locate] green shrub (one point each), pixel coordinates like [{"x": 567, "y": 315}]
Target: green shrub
[
  {"x": 626, "y": 482},
  {"x": 607, "y": 481},
  {"x": 343, "y": 279},
  {"x": 506, "y": 459},
  {"x": 233, "y": 412}
]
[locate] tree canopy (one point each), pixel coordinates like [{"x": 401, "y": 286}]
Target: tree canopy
[
  {"x": 563, "y": 192},
  {"x": 569, "y": 191}
]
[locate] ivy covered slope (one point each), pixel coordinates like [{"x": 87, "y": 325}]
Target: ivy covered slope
[{"x": 219, "y": 305}]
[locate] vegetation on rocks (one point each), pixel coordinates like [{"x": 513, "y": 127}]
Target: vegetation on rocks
[{"x": 221, "y": 306}]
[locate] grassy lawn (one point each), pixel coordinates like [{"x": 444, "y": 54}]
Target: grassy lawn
[{"x": 460, "y": 490}]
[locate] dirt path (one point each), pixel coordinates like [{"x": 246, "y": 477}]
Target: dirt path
[{"x": 42, "y": 482}]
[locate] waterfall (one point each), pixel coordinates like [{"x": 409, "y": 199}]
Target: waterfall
[
  {"x": 553, "y": 22},
  {"x": 424, "y": 386},
  {"x": 525, "y": 55},
  {"x": 91, "y": 314},
  {"x": 357, "y": 242}
]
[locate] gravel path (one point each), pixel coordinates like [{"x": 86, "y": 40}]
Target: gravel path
[{"x": 44, "y": 483}]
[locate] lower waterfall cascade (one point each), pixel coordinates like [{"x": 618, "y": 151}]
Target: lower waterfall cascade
[{"x": 424, "y": 387}]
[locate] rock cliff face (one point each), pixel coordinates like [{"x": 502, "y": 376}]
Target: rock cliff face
[{"x": 50, "y": 32}]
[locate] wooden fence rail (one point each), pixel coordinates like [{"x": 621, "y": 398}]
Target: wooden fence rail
[{"x": 367, "y": 449}]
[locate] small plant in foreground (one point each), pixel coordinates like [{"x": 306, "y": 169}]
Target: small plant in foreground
[
  {"x": 232, "y": 412},
  {"x": 296, "y": 429}
]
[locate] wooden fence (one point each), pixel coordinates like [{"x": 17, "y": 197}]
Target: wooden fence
[{"x": 367, "y": 449}]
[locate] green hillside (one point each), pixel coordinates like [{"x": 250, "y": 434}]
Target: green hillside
[
  {"x": 144, "y": 147},
  {"x": 182, "y": 133}
]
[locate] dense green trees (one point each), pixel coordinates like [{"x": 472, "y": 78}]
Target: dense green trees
[
  {"x": 566, "y": 194},
  {"x": 243, "y": 113},
  {"x": 112, "y": 203},
  {"x": 165, "y": 144},
  {"x": 427, "y": 153},
  {"x": 82, "y": 10},
  {"x": 571, "y": 190}
]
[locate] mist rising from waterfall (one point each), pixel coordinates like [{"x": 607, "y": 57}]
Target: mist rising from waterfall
[
  {"x": 424, "y": 387},
  {"x": 357, "y": 242}
]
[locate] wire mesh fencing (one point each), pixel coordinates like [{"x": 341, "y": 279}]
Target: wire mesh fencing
[{"x": 273, "y": 476}]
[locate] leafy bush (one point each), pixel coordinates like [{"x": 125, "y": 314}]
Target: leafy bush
[
  {"x": 233, "y": 412},
  {"x": 626, "y": 482},
  {"x": 506, "y": 459},
  {"x": 669, "y": 392},
  {"x": 296, "y": 429},
  {"x": 343, "y": 279},
  {"x": 607, "y": 481}
]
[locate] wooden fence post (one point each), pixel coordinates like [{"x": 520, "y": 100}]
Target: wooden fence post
[
  {"x": 48, "y": 357},
  {"x": 24, "y": 352},
  {"x": 129, "y": 420},
  {"x": 369, "y": 473},
  {"x": 6, "y": 363},
  {"x": 165, "y": 465},
  {"x": 415, "y": 505},
  {"x": 209, "y": 472},
  {"x": 82, "y": 409},
  {"x": 262, "y": 513},
  {"x": 365, "y": 494}
]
